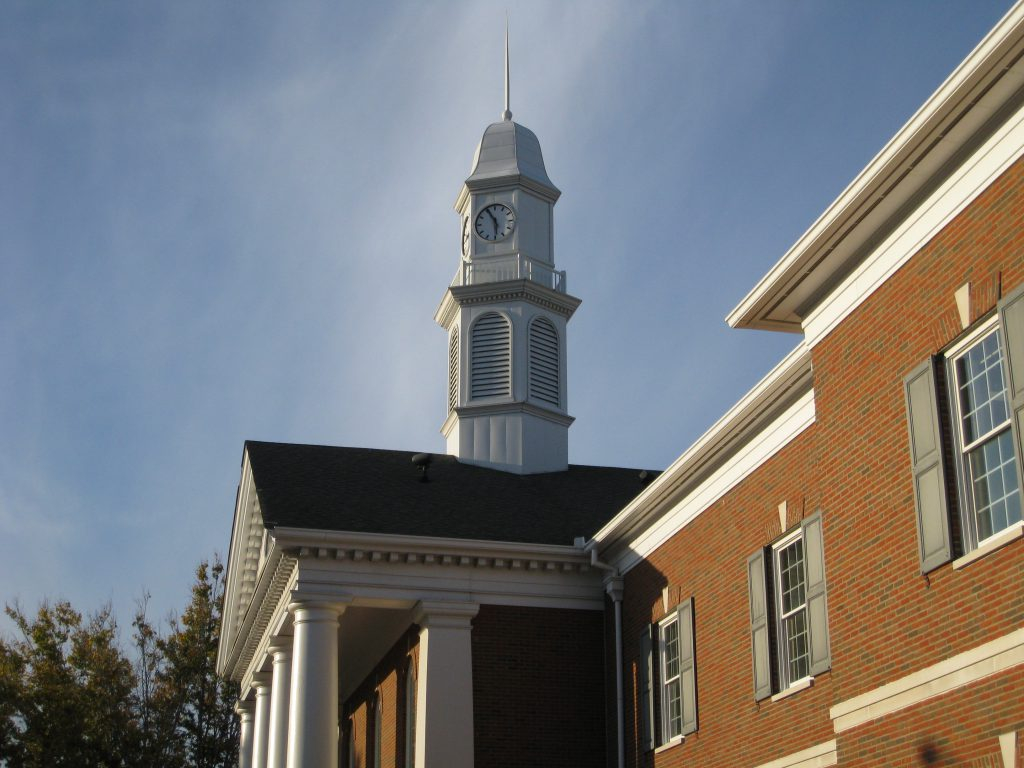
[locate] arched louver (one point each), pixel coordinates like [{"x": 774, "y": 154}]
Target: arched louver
[
  {"x": 544, "y": 361},
  {"x": 453, "y": 370},
  {"x": 491, "y": 357}
]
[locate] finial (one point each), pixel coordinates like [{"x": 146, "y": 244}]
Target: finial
[{"x": 507, "y": 114}]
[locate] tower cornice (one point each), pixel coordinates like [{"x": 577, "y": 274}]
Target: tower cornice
[
  {"x": 508, "y": 290},
  {"x": 514, "y": 181}
]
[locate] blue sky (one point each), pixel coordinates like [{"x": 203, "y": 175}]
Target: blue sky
[{"x": 222, "y": 221}]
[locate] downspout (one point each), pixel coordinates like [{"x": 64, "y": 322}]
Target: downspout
[{"x": 613, "y": 585}]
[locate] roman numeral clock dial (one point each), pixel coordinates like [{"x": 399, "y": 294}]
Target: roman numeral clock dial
[{"x": 495, "y": 222}]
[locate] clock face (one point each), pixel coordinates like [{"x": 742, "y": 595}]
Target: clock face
[
  {"x": 465, "y": 235},
  {"x": 495, "y": 222}
]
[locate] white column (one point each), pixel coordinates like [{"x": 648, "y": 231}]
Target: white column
[
  {"x": 277, "y": 749},
  {"x": 261, "y": 727},
  {"x": 313, "y": 702},
  {"x": 444, "y": 689},
  {"x": 245, "y": 710}
]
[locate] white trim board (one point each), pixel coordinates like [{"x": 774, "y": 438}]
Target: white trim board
[
  {"x": 755, "y": 452},
  {"x": 958, "y": 671},
  {"x": 964, "y": 186},
  {"x": 818, "y": 756}
]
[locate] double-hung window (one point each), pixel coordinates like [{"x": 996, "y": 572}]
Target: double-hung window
[
  {"x": 668, "y": 678},
  {"x": 990, "y": 489},
  {"x": 791, "y": 608},
  {"x": 978, "y": 432},
  {"x": 788, "y": 610}
]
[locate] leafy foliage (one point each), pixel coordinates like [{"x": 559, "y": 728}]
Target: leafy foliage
[{"x": 70, "y": 696}]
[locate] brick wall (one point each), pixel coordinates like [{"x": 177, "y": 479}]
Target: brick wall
[
  {"x": 885, "y": 619},
  {"x": 538, "y": 692},
  {"x": 388, "y": 681}
]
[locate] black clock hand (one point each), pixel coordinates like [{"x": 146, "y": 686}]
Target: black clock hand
[{"x": 493, "y": 220}]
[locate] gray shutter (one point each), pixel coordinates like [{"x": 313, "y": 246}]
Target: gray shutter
[
  {"x": 687, "y": 666},
  {"x": 817, "y": 607},
  {"x": 759, "y": 626},
  {"x": 933, "y": 539},
  {"x": 647, "y": 688},
  {"x": 1011, "y": 318}
]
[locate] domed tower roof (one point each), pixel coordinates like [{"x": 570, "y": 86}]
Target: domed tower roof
[{"x": 510, "y": 151}]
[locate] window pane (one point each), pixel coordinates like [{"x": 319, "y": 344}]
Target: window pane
[
  {"x": 795, "y": 639},
  {"x": 979, "y": 376},
  {"x": 791, "y": 575},
  {"x": 671, "y": 651},
  {"x": 994, "y": 485},
  {"x": 675, "y": 709}
]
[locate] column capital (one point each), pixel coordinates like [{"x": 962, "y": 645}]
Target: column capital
[
  {"x": 280, "y": 646},
  {"x": 438, "y": 613},
  {"x": 246, "y": 710},
  {"x": 317, "y": 606},
  {"x": 261, "y": 682}
]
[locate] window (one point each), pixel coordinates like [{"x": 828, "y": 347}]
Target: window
[
  {"x": 491, "y": 357},
  {"x": 788, "y": 610},
  {"x": 791, "y": 608},
  {"x": 410, "y": 716},
  {"x": 987, "y": 466},
  {"x": 981, "y": 436},
  {"x": 669, "y": 647},
  {"x": 378, "y": 717}
]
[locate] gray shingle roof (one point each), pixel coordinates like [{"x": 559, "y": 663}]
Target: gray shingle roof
[
  {"x": 377, "y": 491},
  {"x": 509, "y": 149}
]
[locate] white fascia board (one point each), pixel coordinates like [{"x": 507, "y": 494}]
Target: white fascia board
[
  {"x": 972, "y": 178},
  {"x": 752, "y": 455},
  {"x": 978, "y": 65},
  {"x": 723, "y": 451}
]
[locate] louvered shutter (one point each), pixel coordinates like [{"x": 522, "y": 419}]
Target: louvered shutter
[
  {"x": 491, "y": 353},
  {"x": 1011, "y": 317},
  {"x": 453, "y": 370},
  {"x": 647, "y": 688},
  {"x": 817, "y": 606},
  {"x": 931, "y": 504},
  {"x": 759, "y": 626},
  {"x": 687, "y": 666},
  {"x": 544, "y": 361}
]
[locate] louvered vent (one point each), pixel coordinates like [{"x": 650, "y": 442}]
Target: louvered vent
[
  {"x": 544, "y": 361},
  {"x": 491, "y": 355},
  {"x": 453, "y": 370}
]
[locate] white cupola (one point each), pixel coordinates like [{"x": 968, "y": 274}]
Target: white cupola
[{"x": 506, "y": 312}]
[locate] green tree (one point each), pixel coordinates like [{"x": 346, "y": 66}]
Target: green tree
[
  {"x": 66, "y": 692},
  {"x": 188, "y": 691}
]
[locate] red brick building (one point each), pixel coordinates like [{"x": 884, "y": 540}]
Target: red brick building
[{"x": 832, "y": 575}]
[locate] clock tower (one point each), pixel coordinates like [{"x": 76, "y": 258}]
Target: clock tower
[{"x": 506, "y": 312}]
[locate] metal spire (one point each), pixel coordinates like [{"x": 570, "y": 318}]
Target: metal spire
[{"x": 507, "y": 114}]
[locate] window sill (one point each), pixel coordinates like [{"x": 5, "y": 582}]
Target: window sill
[
  {"x": 1001, "y": 539},
  {"x": 669, "y": 744},
  {"x": 799, "y": 685}
]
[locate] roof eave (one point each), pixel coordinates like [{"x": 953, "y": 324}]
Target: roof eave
[
  {"x": 949, "y": 119},
  {"x": 793, "y": 373}
]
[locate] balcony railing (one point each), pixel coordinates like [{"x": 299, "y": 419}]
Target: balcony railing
[{"x": 513, "y": 267}]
